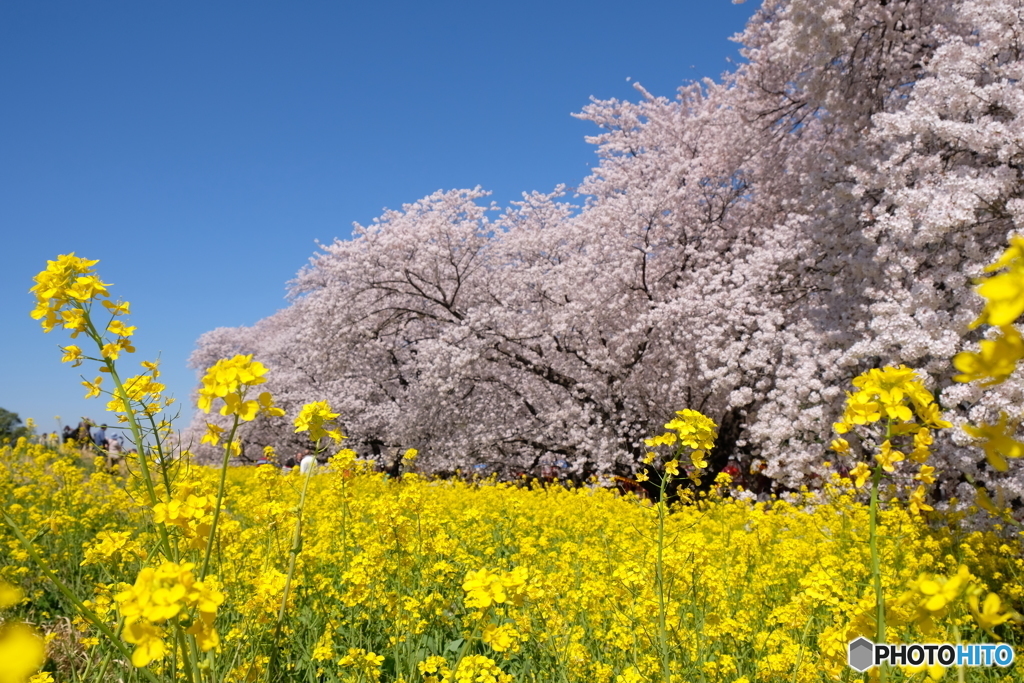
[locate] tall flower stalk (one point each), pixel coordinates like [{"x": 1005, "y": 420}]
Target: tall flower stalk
[
  {"x": 896, "y": 398},
  {"x": 317, "y": 419},
  {"x": 168, "y": 595},
  {"x": 688, "y": 431}
]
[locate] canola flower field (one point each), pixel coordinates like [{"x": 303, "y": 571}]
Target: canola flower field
[
  {"x": 181, "y": 572},
  {"x": 420, "y": 580}
]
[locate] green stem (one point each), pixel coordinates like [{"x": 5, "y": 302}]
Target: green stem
[
  {"x": 133, "y": 423},
  {"x": 185, "y": 662},
  {"x": 876, "y": 567},
  {"x": 160, "y": 455},
  {"x": 294, "y": 554},
  {"x": 220, "y": 498},
  {"x": 666, "y": 674}
]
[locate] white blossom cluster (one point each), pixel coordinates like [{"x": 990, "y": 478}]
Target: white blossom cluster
[{"x": 744, "y": 249}]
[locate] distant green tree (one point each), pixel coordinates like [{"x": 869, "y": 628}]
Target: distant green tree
[{"x": 10, "y": 426}]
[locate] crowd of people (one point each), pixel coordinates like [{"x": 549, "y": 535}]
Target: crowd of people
[{"x": 98, "y": 440}]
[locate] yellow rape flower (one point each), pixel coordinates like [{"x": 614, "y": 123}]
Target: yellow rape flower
[
  {"x": 228, "y": 379},
  {"x": 93, "y": 387},
  {"x": 316, "y": 418},
  {"x": 69, "y": 277},
  {"x": 918, "y": 502},
  {"x": 631, "y": 675},
  {"x": 666, "y": 439},
  {"x": 995, "y": 360},
  {"x": 112, "y": 350},
  {"x": 110, "y": 544},
  {"x": 841, "y": 446},
  {"x": 698, "y": 459},
  {"x": 73, "y": 355},
  {"x": 87, "y": 287},
  {"x": 142, "y": 389},
  {"x": 892, "y": 392},
  {"x": 888, "y": 457},
  {"x": 213, "y": 434},
  {"x": 935, "y": 593},
  {"x": 119, "y": 308},
  {"x": 367, "y": 663},
  {"x": 1004, "y": 292},
  {"x": 118, "y": 328},
  {"x": 434, "y": 668},
  {"x": 989, "y": 613},
  {"x": 9, "y": 595},
  {"x": 74, "y": 320},
  {"x": 228, "y": 376},
  {"x": 997, "y": 442},
  {"x": 926, "y": 474},
  {"x": 478, "y": 669},
  {"x": 931, "y": 415},
  {"x": 160, "y": 594},
  {"x": 483, "y": 588},
  {"x": 500, "y": 638},
  {"x": 694, "y": 429},
  {"x": 922, "y": 445},
  {"x": 861, "y": 473},
  {"x": 148, "y": 640},
  {"x": 22, "y": 652},
  {"x": 861, "y": 408}
]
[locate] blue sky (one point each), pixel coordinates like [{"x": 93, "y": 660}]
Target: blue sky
[{"x": 200, "y": 149}]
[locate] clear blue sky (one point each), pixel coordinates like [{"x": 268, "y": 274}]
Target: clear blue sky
[{"x": 199, "y": 149}]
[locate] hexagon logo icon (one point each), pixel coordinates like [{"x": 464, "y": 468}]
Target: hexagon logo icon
[{"x": 860, "y": 654}]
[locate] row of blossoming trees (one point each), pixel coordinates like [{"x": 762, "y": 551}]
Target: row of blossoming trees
[{"x": 743, "y": 250}]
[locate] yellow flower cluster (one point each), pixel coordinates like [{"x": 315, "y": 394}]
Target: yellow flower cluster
[
  {"x": 433, "y": 669},
  {"x": 994, "y": 361},
  {"x": 228, "y": 379},
  {"x": 456, "y": 581},
  {"x": 501, "y": 638},
  {"x": 477, "y": 669},
  {"x": 895, "y": 397},
  {"x": 895, "y": 393},
  {"x": 64, "y": 292},
  {"x": 997, "y": 358},
  {"x": 932, "y": 595},
  {"x": 317, "y": 419},
  {"x": 191, "y": 513},
  {"x": 366, "y": 664},
  {"x": 143, "y": 390},
  {"x": 690, "y": 429},
  {"x": 485, "y": 588},
  {"x": 997, "y": 441},
  {"x": 1004, "y": 293},
  {"x": 112, "y": 546},
  {"x": 68, "y": 280},
  {"x": 161, "y": 594}
]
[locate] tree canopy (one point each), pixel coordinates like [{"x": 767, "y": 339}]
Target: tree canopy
[
  {"x": 10, "y": 426},
  {"x": 743, "y": 249}
]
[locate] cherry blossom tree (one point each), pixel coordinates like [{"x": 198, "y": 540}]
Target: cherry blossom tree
[{"x": 744, "y": 249}]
